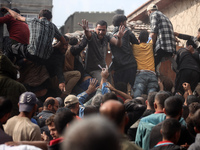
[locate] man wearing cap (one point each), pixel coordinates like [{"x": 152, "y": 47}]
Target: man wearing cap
[
  {"x": 72, "y": 102},
  {"x": 20, "y": 127},
  {"x": 162, "y": 34}
]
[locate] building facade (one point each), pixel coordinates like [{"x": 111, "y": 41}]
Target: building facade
[
  {"x": 71, "y": 24},
  {"x": 183, "y": 14}
]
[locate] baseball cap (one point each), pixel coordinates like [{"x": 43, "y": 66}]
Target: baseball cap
[
  {"x": 152, "y": 7},
  {"x": 70, "y": 99},
  {"x": 26, "y": 101}
]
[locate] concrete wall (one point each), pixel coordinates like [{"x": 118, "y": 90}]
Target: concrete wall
[
  {"x": 185, "y": 16},
  {"x": 71, "y": 24},
  {"x": 31, "y": 6}
]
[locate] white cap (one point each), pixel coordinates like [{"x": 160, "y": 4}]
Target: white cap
[{"x": 152, "y": 7}]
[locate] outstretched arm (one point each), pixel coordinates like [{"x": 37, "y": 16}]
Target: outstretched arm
[
  {"x": 85, "y": 27},
  {"x": 126, "y": 96},
  {"x": 15, "y": 14}
]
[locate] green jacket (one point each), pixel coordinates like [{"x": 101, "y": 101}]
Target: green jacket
[{"x": 9, "y": 87}]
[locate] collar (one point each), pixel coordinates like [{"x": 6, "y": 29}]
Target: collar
[
  {"x": 55, "y": 141},
  {"x": 164, "y": 143},
  {"x": 158, "y": 112}
]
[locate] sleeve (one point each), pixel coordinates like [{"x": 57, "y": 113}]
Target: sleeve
[
  {"x": 99, "y": 91},
  {"x": 105, "y": 89},
  {"x": 82, "y": 97},
  {"x": 184, "y": 37},
  {"x": 5, "y": 19},
  {"x": 109, "y": 36},
  {"x": 35, "y": 134},
  {"x": 75, "y": 50},
  {"x": 133, "y": 39},
  {"x": 138, "y": 137},
  {"x": 57, "y": 34},
  {"x": 154, "y": 23}
]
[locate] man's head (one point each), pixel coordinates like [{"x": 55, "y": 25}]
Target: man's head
[
  {"x": 160, "y": 98},
  {"x": 150, "y": 100},
  {"x": 109, "y": 96},
  {"x": 193, "y": 107},
  {"x": 27, "y": 102},
  {"x": 173, "y": 107},
  {"x": 51, "y": 104},
  {"x": 151, "y": 8},
  {"x": 196, "y": 121},
  {"x": 62, "y": 119},
  {"x": 191, "y": 99},
  {"x": 5, "y": 109},
  {"x": 45, "y": 13},
  {"x": 101, "y": 29},
  {"x": 94, "y": 132},
  {"x": 119, "y": 19},
  {"x": 191, "y": 45},
  {"x": 72, "y": 102},
  {"x": 16, "y": 10},
  {"x": 51, "y": 126},
  {"x": 115, "y": 111},
  {"x": 144, "y": 36},
  {"x": 73, "y": 41},
  {"x": 97, "y": 100},
  {"x": 170, "y": 130}
]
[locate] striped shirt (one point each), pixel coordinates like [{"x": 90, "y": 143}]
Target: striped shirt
[
  {"x": 162, "y": 26},
  {"x": 42, "y": 33}
]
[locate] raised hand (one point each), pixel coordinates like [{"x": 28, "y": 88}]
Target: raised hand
[
  {"x": 121, "y": 32},
  {"x": 84, "y": 25},
  {"x": 92, "y": 87}
]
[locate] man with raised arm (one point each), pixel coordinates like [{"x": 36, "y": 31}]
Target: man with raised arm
[{"x": 98, "y": 45}]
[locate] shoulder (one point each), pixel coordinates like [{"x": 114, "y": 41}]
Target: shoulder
[{"x": 128, "y": 145}]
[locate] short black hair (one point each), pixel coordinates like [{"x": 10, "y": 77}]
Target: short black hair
[
  {"x": 199, "y": 30},
  {"x": 170, "y": 127},
  {"x": 151, "y": 99},
  {"x": 16, "y": 10},
  {"x": 173, "y": 106},
  {"x": 45, "y": 13},
  {"x": 49, "y": 101},
  {"x": 101, "y": 23},
  {"x": 5, "y": 106},
  {"x": 73, "y": 41},
  {"x": 161, "y": 96},
  {"x": 62, "y": 119},
  {"x": 50, "y": 120},
  {"x": 66, "y": 38},
  {"x": 196, "y": 119},
  {"x": 144, "y": 36},
  {"x": 191, "y": 42},
  {"x": 117, "y": 19},
  {"x": 191, "y": 99},
  {"x": 167, "y": 83},
  {"x": 193, "y": 107}
]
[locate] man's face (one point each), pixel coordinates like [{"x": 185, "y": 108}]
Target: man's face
[
  {"x": 101, "y": 31},
  {"x": 55, "y": 106},
  {"x": 148, "y": 12},
  {"x": 53, "y": 131}
]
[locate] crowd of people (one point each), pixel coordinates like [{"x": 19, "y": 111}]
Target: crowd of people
[{"x": 58, "y": 93}]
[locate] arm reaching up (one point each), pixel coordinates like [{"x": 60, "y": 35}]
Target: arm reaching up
[{"x": 15, "y": 14}]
